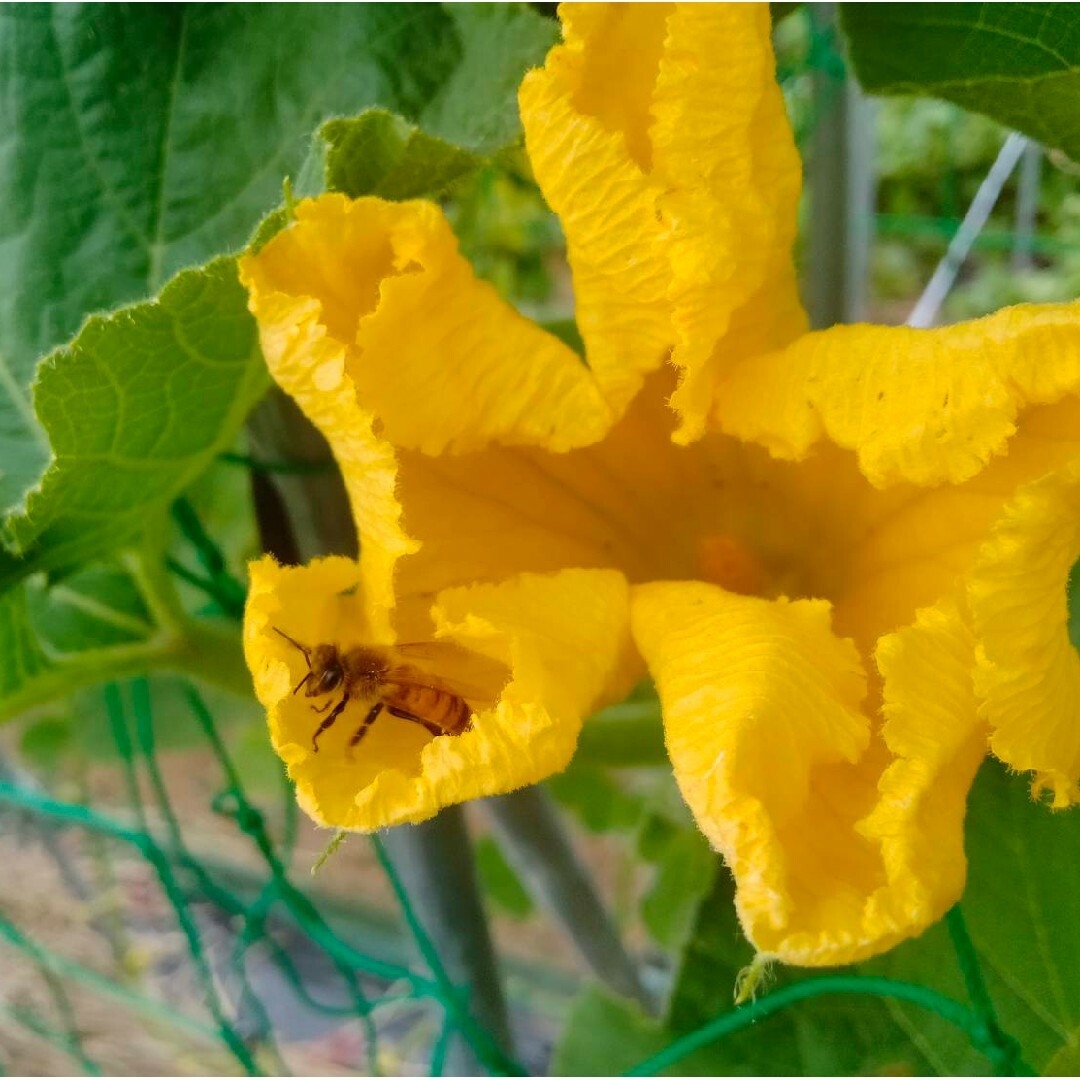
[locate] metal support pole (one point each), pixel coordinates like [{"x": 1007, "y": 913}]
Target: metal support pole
[
  {"x": 926, "y": 309},
  {"x": 1027, "y": 207},
  {"x": 841, "y": 185}
]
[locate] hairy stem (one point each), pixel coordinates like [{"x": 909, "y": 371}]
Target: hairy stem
[
  {"x": 841, "y": 184},
  {"x": 539, "y": 849}
]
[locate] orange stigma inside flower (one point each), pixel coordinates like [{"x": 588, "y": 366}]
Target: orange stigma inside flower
[{"x": 724, "y": 561}]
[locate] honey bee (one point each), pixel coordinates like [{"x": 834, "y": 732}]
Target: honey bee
[{"x": 394, "y": 678}]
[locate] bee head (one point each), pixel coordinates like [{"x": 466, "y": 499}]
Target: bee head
[{"x": 327, "y": 670}]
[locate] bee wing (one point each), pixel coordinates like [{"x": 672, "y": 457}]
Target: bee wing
[{"x": 452, "y": 668}]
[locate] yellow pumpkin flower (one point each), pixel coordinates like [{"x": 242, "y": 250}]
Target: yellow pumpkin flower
[{"x": 838, "y": 554}]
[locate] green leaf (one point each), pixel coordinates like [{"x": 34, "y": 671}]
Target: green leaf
[
  {"x": 136, "y": 407},
  {"x": 605, "y": 1036},
  {"x": 626, "y": 735},
  {"x": 780, "y": 11},
  {"x": 378, "y": 153},
  {"x": 1072, "y": 595},
  {"x": 1018, "y": 63},
  {"x": 685, "y": 868},
  {"x": 710, "y": 959},
  {"x": 476, "y": 105},
  {"x": 500, "y": 883},
  {"x": 470, "y": 119},
  {"x": 97, "y": 607},
  {"x": 45, "y": 744},
  {"x": 599, "y": 801},
  {"x": 105, "y": 621},
  {"x": 1022, "y": 908},
  {"x": 1066, "y": 1062},
  {"x": 170, "y": 130},
  {"x": 94, "y": 621},
  {"x": 24, "y": 658}
]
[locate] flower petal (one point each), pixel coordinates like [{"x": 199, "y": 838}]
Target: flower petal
[
  {"x": 761, "y": 708},
  {"x": 933, "y": 728},
  {"x": 428, "y": 348},
  {"x": 910, "y": 546},
  {"x": 488, "y": 515},
  {"x": 333, "y": 295},
  {"x": 307, "y": 362},
  {"x": 1028, "y": 674},
  {"x": 564, "y": 637},
  {"x": 774, "y": 753},
  {"x": 917, "y": 405},
  {"x": 636, "y": 502},
  {"x": 586, "y": 115},
  {"x": 726, "y": 158},
  {"x": 658, "y": 135}
]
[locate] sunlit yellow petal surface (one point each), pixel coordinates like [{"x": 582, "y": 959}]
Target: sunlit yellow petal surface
[
  {"x": 773, "y": 750},
  {"x": 430, "y": 349},
  {"x": 562, "y": 638},
  {"x": 726, "y": 159},
  {"x": 676, "y": 180},
  {"x": 917, "y": 405},
  {"x": 1029, "y": 671},
  {"x": 586, "y": 119}
]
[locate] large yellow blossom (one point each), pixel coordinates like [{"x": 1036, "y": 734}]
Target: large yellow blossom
[{"x": 840, "y": 555}]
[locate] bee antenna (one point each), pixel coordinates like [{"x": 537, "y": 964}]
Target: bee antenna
[{"x": 292, "y": 641}]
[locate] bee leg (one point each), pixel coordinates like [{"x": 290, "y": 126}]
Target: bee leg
[
  {"x": 401, "y": 714},
  {"x": 322, "y": 708},
  {"x": 300, "y": 684},
  {"x": 361, "y": 731},
  {"x": 328, "y": 721}
]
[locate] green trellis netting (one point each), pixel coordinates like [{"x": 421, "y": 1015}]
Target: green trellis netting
[{"x": 372, "y": 984}]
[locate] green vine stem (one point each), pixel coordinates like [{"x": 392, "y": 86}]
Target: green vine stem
[
  {"x": 1007, "y": 1056},
  {"x": 746, "y": 1015},
  {"x": 202, "y": 651},
  {"x": 198, "y": 648},
  {"x": 539, "y": 849}
]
